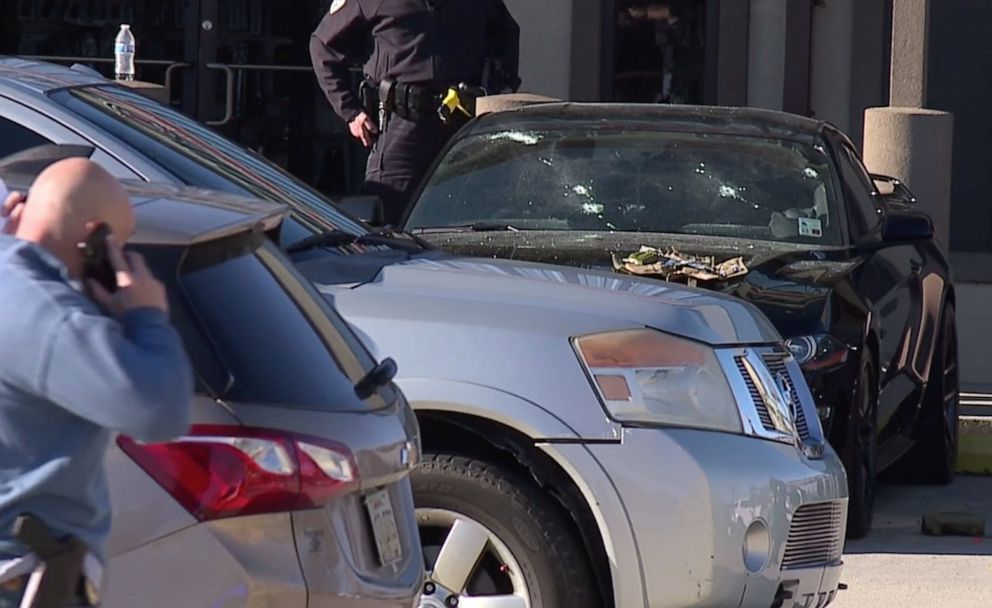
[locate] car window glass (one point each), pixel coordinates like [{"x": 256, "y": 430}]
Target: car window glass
[
  {"x": 619, "y": 179},
  {"x": 197, "y": 155},
  {"x": 255, "y": 336},
  {"x": 276, "y": 351},
  {"x": 292, "y": 231},
  {"x": 863, "y": 210},
  {"x": 212, "y": 377},
  {"x": 15, "y": 138}
]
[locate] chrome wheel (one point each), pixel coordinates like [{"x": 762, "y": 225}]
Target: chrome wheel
[{"x": 468, "y": 566}]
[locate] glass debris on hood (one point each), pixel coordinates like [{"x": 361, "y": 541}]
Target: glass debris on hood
[{"x": 677, "y": 267}]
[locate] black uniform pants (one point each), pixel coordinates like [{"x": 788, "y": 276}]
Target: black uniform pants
[{"x": 401, "y": 156}]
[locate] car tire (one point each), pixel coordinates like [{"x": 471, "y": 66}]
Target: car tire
[
  {"x": 933, "y": 459},
  {"x": 860, "y": 450},
  {"x": 529, "y": 549}
]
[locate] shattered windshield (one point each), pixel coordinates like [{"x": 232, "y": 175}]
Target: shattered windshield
[{"x": 634, "y": 181}]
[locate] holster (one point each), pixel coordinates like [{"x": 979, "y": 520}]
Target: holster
[
  {"x": 368, "y": 95},
  {"x": 60, "y": 580}
]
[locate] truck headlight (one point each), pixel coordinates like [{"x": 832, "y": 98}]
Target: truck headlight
[{"x": 649, "y": 377}]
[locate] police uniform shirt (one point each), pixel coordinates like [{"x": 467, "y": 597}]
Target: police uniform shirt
[{"x": 413, "y": 41}]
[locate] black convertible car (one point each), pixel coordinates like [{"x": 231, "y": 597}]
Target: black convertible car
[{"x": 774, "y": 208}]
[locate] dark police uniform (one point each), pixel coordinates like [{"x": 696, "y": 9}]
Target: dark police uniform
[{"x": 419, "y": 48}]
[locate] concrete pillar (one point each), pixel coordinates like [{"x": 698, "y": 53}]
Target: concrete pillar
[
  {"x": 545, "y": 45},
  {"x": 766, "y": 54},
  {"x": 832, "y": 62},
  {"x": 588, "y": 53},
  {"x": 914, "y": 145},
  {"x": 910, "y": 50}
]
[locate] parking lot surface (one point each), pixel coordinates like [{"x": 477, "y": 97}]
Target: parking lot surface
[{"x": 896, "y": 565}]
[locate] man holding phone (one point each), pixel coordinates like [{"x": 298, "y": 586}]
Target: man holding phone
[{"x": 82, "y": 359}]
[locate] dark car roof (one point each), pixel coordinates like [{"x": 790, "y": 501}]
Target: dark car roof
[
  {"x": 738, "y": 121},
  {"x": 182, "y": 216}
]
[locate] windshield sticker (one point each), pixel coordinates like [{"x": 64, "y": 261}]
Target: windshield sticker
[
  {"x": 527, "y": 139},
  {"x": 810, "y": 227}
]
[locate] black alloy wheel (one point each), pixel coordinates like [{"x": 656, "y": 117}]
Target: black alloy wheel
[
  {"x": 860, "y": 453},
  {"x": 933, "y": 459}
]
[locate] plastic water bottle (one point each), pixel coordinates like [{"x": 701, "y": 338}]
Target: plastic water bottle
[{"x": 124, "y": 54}]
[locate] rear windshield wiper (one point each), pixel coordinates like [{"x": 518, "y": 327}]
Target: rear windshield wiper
[
  {"x": 485, "y": 226},
  {"x": 340, "y": 238}
]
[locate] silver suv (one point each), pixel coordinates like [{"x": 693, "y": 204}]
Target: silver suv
[
  {"x": 292, "y": 487},
  {"x": 590, "y": 440}
]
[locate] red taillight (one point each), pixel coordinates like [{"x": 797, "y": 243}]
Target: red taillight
[{"x": 221, "y": 471}]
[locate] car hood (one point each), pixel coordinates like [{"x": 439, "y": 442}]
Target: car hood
[
  {"x": 691, "y": 313},
  {"x": 790, "y": 283}
]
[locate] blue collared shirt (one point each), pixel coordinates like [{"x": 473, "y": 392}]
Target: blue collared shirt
[{"x": 70, "y": 379}]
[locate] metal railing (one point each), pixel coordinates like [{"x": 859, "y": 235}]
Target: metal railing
[
  {"x": 170, "y": 66},
  {"x": 230, "y": 68}
]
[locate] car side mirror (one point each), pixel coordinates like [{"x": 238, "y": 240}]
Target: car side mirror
[
  {"x": 893, "y": 190},
  {"x": 906, "y": 226},
  {"x": 365, "y": 207}
]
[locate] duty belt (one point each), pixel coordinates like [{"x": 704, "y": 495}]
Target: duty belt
[{"x": 419, "y": 102}]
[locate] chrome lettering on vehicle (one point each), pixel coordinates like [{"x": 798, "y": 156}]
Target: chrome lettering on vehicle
[{"x": 782, "y": 382}]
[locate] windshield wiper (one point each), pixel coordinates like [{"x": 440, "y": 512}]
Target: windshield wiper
[
  {"x": 340, "y": 238},
  {"x": 484, "y": 226},
  {"x": 330, "y": 238},
  {"x": 389, "y": 231}
]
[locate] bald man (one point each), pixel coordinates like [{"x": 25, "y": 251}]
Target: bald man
[{"x": 77, "y": 364}]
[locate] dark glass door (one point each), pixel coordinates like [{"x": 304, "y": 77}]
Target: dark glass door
[
  {"x": 83, "y": 31},
  {"x": 241, "y": 66},
  {"x": 660, "y": 51},
  {"x": 257, "y": 86}
]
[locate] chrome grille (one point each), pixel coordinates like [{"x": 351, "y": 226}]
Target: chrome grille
[
  {"x": 759, "y": 403},
  {"x": 816, "y": 536},
  {"x": 776, "y": 364}
]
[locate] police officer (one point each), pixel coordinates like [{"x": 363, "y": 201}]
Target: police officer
[{"x": 415, "y": 53}]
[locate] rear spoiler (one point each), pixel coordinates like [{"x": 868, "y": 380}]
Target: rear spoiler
[{"x": 22, "y": 167}]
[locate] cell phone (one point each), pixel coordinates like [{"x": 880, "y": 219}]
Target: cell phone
[{"x": 96, "y": 261}]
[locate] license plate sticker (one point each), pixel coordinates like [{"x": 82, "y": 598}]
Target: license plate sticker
[{"x": 387, "y": 535}]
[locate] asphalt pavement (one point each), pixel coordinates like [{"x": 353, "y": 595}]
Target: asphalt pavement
[{"x": 897, "y": 565}]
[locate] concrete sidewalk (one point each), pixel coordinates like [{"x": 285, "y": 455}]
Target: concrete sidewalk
[{"x": 896, "y": 565}]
